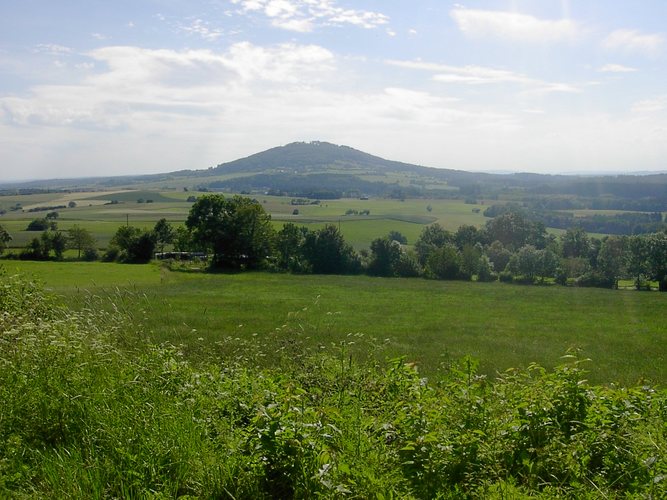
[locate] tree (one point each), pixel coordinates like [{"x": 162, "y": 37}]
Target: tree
[
  {"x": 183, "y": 239},
  {"x": 72, "y": 204},
  {"x": 5, "y": 238},
  {"x": 470, "y": 258},
  {"x": 56, "y": 241},
  {"x": 485, "y": 270},
  {"x": 133, "y": 244},
  {"x": 385, "y": 257},
  {"x": 397, "y": 236},
  {"x": 289, "y": 248},
  {"x": 526, "y": 263},
  {"x": 328, "y": 253},
  {"x": 612, "y": 258},
  {"x": 575, "y": 243},
  {"x": 39, "y": 225},
  {"x": 657, "y": 259},
  {"x": 236, "y": 230},
  {"x": 638, "y": 260},
  {"x": 498, "y": 255},
  {"x": 164, "y": 233},
  {"x": 513, "y": 230},
  {"x": 80, "y": 239},
  {"x": 35, "y": 250},
  {"x": 445, "y": 262},
  {"x": 431, "y": 237},
  {"x": 466, "y": 235},
  {"x": 547, "y": 263}
]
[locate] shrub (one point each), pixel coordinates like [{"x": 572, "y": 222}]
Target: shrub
[
  {"x": 506, "y": 277},
  {"x": 92, "y": 409}
]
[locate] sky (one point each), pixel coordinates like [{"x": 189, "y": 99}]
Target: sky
[{"x": 98, "y": 88}]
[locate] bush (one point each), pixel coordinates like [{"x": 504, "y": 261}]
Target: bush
[
  {"x": 595, "y": 279},
  {"x": 92, "y": 409},
  {"x": 111, "y": 255},
  {"x": 90, "y": 254},
  {"x": 38, "y": 225},
  {"x": 506, "y": 277}
]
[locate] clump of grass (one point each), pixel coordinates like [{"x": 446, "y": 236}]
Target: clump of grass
[{"x": 92, "y": 408}]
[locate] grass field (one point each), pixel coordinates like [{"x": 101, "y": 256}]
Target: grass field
[
  {"x": 102, "y": 219},
  {"x": 430, "y": 322}
]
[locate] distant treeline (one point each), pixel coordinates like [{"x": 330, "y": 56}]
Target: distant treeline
[
  {"x": 627, "y": 223},
  {"x": 237, "y": 233}
]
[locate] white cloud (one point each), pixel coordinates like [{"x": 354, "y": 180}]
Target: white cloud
[
  {"x": 513, "y": 26},
  {"x": 166, "y": 81},
  {"x": 52, "y": 49},
  {"x": 479, "y": 75},
  {"x": 616, "y": 68},
  {"x": 201, "y": 28},
  {"x": 648, "y": 106},
  {"x": 99, "y": 36},
  {"x": 305, "y": 15},
  {"x": 634, "y": 41}
]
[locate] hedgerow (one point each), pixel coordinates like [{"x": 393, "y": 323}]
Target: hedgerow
[{"x": 91, "y": 408}]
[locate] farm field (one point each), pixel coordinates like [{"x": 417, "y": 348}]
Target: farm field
[
  {"x": 94, "y": 213},
  {"x": 501, "y": 325}
]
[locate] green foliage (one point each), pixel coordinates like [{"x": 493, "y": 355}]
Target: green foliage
[
  {"x": 236, "y": 230},
  {"x": 164, "y": 233},
  {"x": 81, "y": 240},
  {"x": 514, "y": 230},
  {"x": 289, "y": 248},
  {"x": 41, "y": 225},
  {"x": 575, "y": 243},
  {"x": 432, "y": 237},
  {"x": 132, "y": 245},
  {"x": 444, "y": 262},
  {"x": 92, "y": 408},
  {"x": 328, "y": 253},
  {"x": 5, "y": 238},
  {"x": 385, "y": 257},
  {"x": 398, "y": 236}
]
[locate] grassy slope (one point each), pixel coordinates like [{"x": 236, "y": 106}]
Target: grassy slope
[{"x": 429, "y": 321}]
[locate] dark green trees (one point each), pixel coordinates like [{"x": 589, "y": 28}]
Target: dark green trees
[
  {"x": 131, "y": 244},
  {"x": 237, "y": 231},
  {"x": 4, "y": 239},
  {"x": 385, "y": 257},
  {"x": 164, "y": 234},
  {"x": 80, "y": 239},
  {"x": 328, "y": 253}
]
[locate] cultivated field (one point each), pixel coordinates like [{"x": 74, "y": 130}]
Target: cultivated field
[
  {"x": 95, "y": 213},
  {"x": 430, "y": 322}
]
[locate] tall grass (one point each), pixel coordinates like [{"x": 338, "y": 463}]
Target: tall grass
[{"x": 91, "y": 408}]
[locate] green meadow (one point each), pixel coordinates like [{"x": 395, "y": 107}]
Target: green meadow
[
  {"x": 430, "y": 322},
  {"x": 95, "y": 213}
]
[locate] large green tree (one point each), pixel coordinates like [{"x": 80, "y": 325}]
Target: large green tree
[
  {"x": 657, "y": 259},
  {"x": 575, "y": 243},
  {"x": 80, "y": 239},
  {"x": 514, "y": 231},
  {"x": 134, "y": 245},
  {"x": 4, "y": 239},
  {"x": 237, "y": 230},
  {"x": 431, "y": 238},
  {"x": 289, "y": 248},
  {"x": 164, "y": 233},
  {"x": 385, "y": 257},
  {"x": 328, "y": 253}
]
